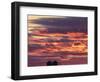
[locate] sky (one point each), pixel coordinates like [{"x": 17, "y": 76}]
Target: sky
[{"x": 59, "y": 37}]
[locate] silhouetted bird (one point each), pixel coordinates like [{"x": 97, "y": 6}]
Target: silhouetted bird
[
  {"x": 50, "y": 63},
  {"x": 55, "y": 63}
]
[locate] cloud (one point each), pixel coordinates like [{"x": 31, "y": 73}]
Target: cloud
[{"x": 65, "y": 24}]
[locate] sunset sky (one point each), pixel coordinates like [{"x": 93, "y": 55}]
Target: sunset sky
[{"x": 59, "y": 38}]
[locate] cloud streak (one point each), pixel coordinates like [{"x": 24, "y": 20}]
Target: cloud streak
[{"x": 65, "y": 24}]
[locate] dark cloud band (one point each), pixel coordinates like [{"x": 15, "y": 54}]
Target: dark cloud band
[{"x": 65, "y": 24}]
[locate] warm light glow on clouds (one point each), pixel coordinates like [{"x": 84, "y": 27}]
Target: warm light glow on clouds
[
  {"x": 32, "y": 17},
  {"x": 58, "y": 38}
]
